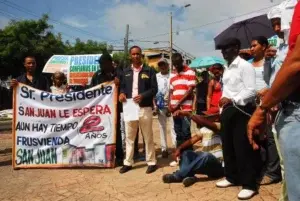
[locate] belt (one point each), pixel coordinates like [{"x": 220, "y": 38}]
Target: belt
[
  {"x": 239, "y": 107},
  {"x": 290, "y": 103}
]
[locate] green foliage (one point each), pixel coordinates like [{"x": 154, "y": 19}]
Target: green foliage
[
  {"x": 35, "y": 37},
  {"x": 88, "y": 47},
  {"x": 121, "y": 57}
]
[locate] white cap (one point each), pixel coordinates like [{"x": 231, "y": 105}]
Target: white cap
[
  {"x": 275, "y": 12},
  {"x": 287, "y": 14}
]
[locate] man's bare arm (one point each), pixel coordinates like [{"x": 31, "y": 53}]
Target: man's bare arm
[
  {"x": 186, "y": 95},
  {"x": 190, "y": 142}
]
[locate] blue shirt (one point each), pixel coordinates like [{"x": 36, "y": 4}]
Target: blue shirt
[{"x": 277, "y": 63}]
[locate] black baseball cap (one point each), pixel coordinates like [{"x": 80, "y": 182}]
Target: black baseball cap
[
  {"x": 104, "y": 57},
  {"x": 229, "y": 42}
]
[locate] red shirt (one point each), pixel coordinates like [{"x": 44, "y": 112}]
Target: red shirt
[
  {"x": 295, "y": 28},
  {"x": 180, "y": 83},
  {"x": 294, "y": 33}
]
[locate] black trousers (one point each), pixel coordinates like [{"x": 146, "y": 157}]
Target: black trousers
[
  {"x": 272, "y": 167},
  {"x": 242, "y": 163},
  {"x": 201, "y": 107},
  {"x": 119, "y": 148}
]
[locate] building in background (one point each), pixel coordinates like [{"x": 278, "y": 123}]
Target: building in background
[{"x": 153, "y": 55}]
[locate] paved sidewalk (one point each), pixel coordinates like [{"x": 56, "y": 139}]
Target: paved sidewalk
[{"x": 108, "y": 184}]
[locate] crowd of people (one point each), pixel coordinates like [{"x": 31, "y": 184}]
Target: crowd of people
[{"x": 234, "y": 107}]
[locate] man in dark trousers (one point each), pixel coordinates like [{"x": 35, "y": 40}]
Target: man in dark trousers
[
  {"x": 237, "y": 104},
  {"x": 30, "y": 77},
  {"x": 285, "y": 90},
  {"x": 107, "y": 73},
  {"x": 182, "y": 84}
]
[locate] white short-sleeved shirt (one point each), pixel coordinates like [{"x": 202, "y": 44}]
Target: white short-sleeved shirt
[{"x": 259, "y": 78}]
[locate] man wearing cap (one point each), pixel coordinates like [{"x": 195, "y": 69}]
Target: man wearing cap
[
  {"x": 271, "y": 68},
  {"x": 274, "y": 58},
  {"x": 285, "y": 89},
  {"x": 107, "y": 73},
  {"x": 274, "y": 16},
  {"x": 161, "y": 105},
  {"x": 242, "y": 163}
]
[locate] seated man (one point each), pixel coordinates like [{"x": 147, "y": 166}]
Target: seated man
[{"x": 208, "y": 161}]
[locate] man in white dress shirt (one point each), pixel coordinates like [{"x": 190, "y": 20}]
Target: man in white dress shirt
[{"x": 242, "y": 163}]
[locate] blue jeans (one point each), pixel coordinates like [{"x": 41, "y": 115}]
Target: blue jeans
[
  {"x": 182, "y": 127},
  {"x": 288, "y": 128},
  {"x": 192, "y": 163}
]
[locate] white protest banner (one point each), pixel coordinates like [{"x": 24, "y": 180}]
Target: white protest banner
[
  {"x": 78, "y": 68},
  {"x": 76, "y": 129},
  {"x": 57, "y": 63}
]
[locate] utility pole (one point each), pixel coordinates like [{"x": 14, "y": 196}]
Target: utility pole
[
  {"x": 171, "y": 34},
  {"x": 171, "y": 40},
  {"x": 126, "y": 41}
]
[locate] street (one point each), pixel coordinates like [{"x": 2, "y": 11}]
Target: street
[{"x": 108, "y": 184}]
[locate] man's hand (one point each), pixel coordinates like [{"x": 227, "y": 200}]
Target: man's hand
[
  {"x": 177, "y": 113},
  {"x": 262, "y": 92},
  {"x": 275, "y": 108},
  {"x": 117, "y": 81},
  {"x": 224, "y": 101},
  {"x": 177, "y": 107},
  {"x": 176, "y": 154},
  {"x": 122, "y": 98},
  {"x": 138, "y": 99},
  {"x": 256, "y": 126},
  {"x": 180, "y": 113},
  {"x": 14, "y": 83},
  {"x": 170, "y": 109}
]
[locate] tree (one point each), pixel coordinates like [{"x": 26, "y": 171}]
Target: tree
[
  {"x": 88, "y": 47},
  {"x": 35, "y": 37},
  {"x": 27, "y": 37},
  {"x": 120, "y": 57}
]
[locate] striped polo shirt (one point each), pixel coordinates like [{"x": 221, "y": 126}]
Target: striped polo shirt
[
  {"x": 211, "y": 142},
  {"x": 180, "y": 84}
]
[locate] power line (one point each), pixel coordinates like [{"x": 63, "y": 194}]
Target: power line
[
  {"x": 148, "y": 41},
  {"x": 24, "y": 10},
  {"x": 162, "y": 42},
  {"x": 10, "y": 15},
  {"x": 190, "y": 55},
  {"x": 18, "y": 18},
  {"x": 204, "y": 25}
]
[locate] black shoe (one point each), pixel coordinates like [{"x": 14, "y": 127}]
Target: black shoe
[
  {"x": 171, "y": 178},
  {"x": 164, "y": 154},
  {"x": 125, "y": 169},
  {"x": 188, "y": 181},
  {"x": 151, "y": 169},
  {"x": 119, "y": 162}
]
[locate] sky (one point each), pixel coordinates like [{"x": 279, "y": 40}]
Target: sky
[{"x": 194, "y": 27}]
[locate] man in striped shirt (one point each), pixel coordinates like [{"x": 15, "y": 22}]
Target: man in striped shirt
[
  {"x": 208, "y": 161},
  {"x": 182, "y": 84}
]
